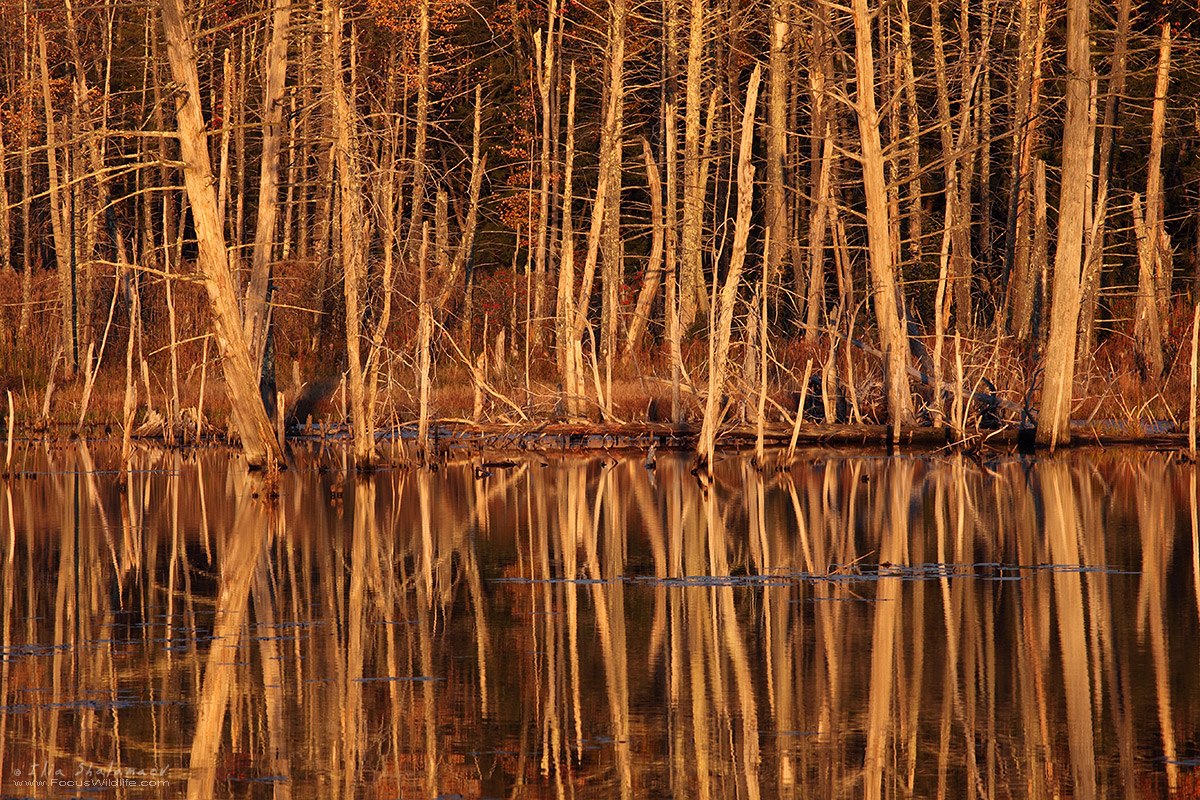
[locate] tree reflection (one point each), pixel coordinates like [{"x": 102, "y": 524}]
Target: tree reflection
[{"x": 578, "y": 627}]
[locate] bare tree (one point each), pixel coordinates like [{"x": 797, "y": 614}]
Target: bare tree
[
  {"x": 1054, "y": 420},
  {"x": 354, "y": 240},
  {"x": 893, "y": 339},
  {"x": 1153, "y": 274},
  {"x": 258, "y": 294},
  {"x": 722, "y": 318},
  {"x": 259, "y": 442}
]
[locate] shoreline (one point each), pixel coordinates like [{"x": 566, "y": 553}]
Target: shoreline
[{"x": 458, "y": 435}]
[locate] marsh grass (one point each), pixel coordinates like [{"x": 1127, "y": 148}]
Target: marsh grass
[{"x": 1111, "y": 386}]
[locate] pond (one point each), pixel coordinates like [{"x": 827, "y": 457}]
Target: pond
[{"x": 578, "y": 626}]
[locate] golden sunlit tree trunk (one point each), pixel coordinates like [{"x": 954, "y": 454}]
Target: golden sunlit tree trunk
[
  {"x": 258, "y": 294},
  {"x": 612, "y": 248},
  {"x": 722, "y": 317},
  {"x": 420, "y": 168},
  {"x": 26, "y": 127},
  {"x": 1095, "y": 242},
  {"x": 545, "y": 73},
  {"x": 893, "y": 340},
  {"x": 957, "y": 211},
  {"x": 1019, "y": 270},
  {"x": 776, "y": 210},
  {"x": 258, "y": 437},
  {"x": 352, "y": 219},
  {"x": 692, "y": 296},
  {"x": 1054, "y": 420},
  {"x": 824, "y": 164},
  {"x": 59, "y": 214},
  {"x": 653, "y": 273},
  {"x": 566, "y": 266},
  {"x": 1149, "y": 316}
]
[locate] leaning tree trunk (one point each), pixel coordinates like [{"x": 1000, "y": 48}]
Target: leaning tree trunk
[
  {"x": 258, "y": 437},
  {"x": 653, "y": 273},
  {"x": 1054, "y": 420},
  {"x": 892, "y": 338}
]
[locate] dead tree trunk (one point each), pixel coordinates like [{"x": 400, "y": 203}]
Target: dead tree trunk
[
  {"x": 653, "y": 273},
  {"x": 692, "y": 296},
  {"x": 259, "y": 442},
  {"x": 545, "y": 73},
  {"x": 776, "y": 211},
  {"x": 59, "y": 223},
  {"x": 566, "y": 267},
  {"x": 1017, "y": 264},
  {"x": 5, "y": 214},
  {"x": 671, "y": 235},
  {"x": 957, "y": 209},
  {"x": 352, "y": 219},
  {"x": 1149, "y": 312},
  {"x": 420, "y": 168},
  {"x": 824, "y": 161},
  {"x": 26, "y": 191},
  {"x": 893, "y": 339},
  {"x": 612, "y": 249},
  {"x": 722, "y": 318},
  {"x": 258, "y": 294},
  {"x": 1054, "y": 420},
  {"x": 1094, "y": 252}
]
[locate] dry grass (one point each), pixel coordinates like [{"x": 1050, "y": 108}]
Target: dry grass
[{"x": 1110, "y": 386}]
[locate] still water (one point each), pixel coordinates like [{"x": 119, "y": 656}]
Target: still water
[{"x": 568, "y": 627}]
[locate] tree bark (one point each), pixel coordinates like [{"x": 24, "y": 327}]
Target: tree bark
[
  {"x": 545, "y": 73},
  {"x": 612, "y": 249},
  {"x": 464, "y": 255},
  {"x": 259, "y": 442},
  {"x": 670, "y": 216},
  {"x": 26, "y": 198},
  {"x": 566, "y": 267},
  {"x": 5, "y": 214},
  {"x": 960, "y": 255}
]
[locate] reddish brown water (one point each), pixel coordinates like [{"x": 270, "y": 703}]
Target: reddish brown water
[{"x": 580, "y": 628}]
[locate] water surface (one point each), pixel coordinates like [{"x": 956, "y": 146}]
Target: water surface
[{"x": 577, "y": 627}]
